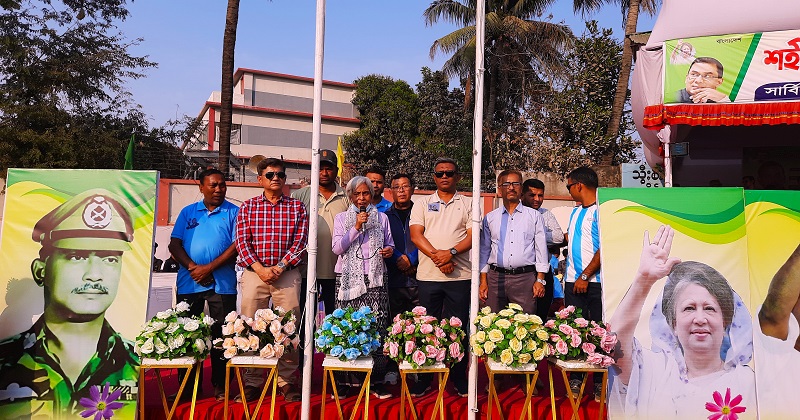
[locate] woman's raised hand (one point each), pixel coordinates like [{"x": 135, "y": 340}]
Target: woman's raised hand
[{"x": 655, "y": 262}]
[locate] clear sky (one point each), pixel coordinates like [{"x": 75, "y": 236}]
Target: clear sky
[{"x": 362, "y": 37}]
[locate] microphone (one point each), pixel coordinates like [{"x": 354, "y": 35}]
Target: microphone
[{"x": 362, "y": 209}]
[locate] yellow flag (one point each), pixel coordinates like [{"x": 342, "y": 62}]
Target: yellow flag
[{"x": 340, "y": 156}]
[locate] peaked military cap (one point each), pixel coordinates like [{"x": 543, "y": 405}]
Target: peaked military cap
[{"x": 92, "y": 220}]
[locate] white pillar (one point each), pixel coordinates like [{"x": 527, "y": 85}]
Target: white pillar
[
  {"x": 477, "y": 153},
  {"x": 311, "y": 280}
]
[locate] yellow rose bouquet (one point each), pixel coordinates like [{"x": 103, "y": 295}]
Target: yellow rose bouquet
[{"x": 510, "y": 336}]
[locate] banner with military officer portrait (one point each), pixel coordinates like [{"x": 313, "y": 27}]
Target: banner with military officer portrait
[{"x": 75, "y": 259}]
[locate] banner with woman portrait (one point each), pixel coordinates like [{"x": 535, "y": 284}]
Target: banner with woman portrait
[
  {"x": 677, "y": 293},
  {"x": 75, "y": 259}
]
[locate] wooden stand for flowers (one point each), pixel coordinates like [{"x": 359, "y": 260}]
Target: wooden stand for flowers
[
  {"x": 442, "y": 372},
  {"x": 182, "y": 362},
  {"x": 333, "y": 364},
  {"x": 239, "y": 362},
  {"x": 531, "y": 374},
  {"x": 569, "y": 366}
]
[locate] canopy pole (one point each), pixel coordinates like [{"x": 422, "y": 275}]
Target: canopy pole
[
  {"x": 477, "y": 156},
  {"x": 665, "y": 135},
  {"x": 311, "y": 278}
]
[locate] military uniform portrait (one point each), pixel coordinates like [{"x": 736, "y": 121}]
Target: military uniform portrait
[{"x": 88, "y": 275}]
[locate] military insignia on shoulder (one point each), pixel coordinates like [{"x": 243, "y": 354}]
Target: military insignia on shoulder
[{"x": 97, "y": 213}]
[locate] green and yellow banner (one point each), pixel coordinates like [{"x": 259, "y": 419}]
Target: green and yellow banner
[
  {"x": 702, "y": 287},
  {"x": 75, "y": 259},
  {"x": 736, "y": 68}
]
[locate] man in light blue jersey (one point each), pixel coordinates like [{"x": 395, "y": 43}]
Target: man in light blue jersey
[{"x": 582, "y": 282}]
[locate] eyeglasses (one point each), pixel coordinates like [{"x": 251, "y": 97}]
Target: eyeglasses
[
  {"x": 706, "y": 77},
  {"x": 511, "y": 184},
  {"x": 441, "y": 174},
  {"x": 569, "y": 186},
  {"x": 402, "y": 187},
  {"x": 270, "y": 175}
]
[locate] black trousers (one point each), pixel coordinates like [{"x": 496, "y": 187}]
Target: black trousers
[
  {"x": 590, "y": 303},
  {"x": 444, "y": 299},
  {"x": 327, "y": 294},
  {"x": 218, "y": 306}
]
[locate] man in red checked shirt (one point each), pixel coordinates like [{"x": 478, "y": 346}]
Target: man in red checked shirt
[{"x": 271, "y": 236}]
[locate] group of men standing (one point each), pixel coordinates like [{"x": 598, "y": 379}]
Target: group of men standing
[{"x": 429, "y": 267}]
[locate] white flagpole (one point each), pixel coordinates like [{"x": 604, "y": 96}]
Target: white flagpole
[
  {"x": 311, "y": 281},
  {"x": 477, "y": 152}
]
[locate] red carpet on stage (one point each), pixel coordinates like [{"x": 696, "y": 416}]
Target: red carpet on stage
[{"x": 511, "y": 399}]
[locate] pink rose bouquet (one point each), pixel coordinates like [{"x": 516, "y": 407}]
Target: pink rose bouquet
[
  {"x": 422, "y": 340},
  {"x": 575, "y": 338}
]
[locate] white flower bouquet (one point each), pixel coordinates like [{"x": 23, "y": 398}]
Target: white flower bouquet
[
  {"x": 510, "y": 337},
  {"x": 270, "y": 333},
  {"x": 574, "y": 338},
  {"x": 172, "y": 334},
  {"x": 422, "y": 340}
]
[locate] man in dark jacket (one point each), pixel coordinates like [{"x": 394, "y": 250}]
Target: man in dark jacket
[{"x": 402, "y": 266}]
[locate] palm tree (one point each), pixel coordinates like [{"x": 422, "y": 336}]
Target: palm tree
[
  {"x": 226, "y": 94},
  {"x": 520, "y": 49},
  {"x": 630, "y": 8}
]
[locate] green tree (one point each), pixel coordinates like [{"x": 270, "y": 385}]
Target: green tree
[
  {"x": 630, "y": 9},
  {"x": 521, "y": 50},
  {"x": 569, "y": 128},
  {"x": 389, "y": 113},
  {"x": 405, "y": 131},
  {"x": 445, "y": 127},
  {"x": 63, "y": 102}
]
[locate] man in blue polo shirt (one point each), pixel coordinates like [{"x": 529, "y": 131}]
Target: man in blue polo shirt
[{"x": 203, "y": 243}]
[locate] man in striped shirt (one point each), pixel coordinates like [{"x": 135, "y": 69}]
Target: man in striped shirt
[
  {"x": 271, "y": 237},
  {"x": 582, "y": 282}
]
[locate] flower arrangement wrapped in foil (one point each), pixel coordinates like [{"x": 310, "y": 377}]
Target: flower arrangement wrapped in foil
[
  {"x": 269, "y": 333},
  {"x": 348, "y": 333},
  {"x": 422, "y": 340},
  {"x": 172, "y": 334}
]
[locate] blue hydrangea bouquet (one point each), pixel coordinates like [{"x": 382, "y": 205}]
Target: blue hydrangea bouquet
[{"x": 348, "y": 333}]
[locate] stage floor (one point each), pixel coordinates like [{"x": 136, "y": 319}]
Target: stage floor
[{"x": 511, "y": 399}]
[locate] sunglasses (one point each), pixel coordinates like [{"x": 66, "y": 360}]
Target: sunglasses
[
  {"x": 441, "y": 174},
  {"x": 569, "y": 186},
  {"x": 270, "y": 175}
]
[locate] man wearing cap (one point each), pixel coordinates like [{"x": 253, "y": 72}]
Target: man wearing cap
[
  {"x": 71, "y": 348},
  {"x": 202, "y": 242},
  {"x": 271, "y": 237},
  {"x": 332, "y": 201}
]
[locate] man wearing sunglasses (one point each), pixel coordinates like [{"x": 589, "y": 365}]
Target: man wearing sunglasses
[
  {"x": 702, "y": 81},
  {"x": 582, "y": 282},
  {"x": 513, "y": 257},
  {"x": 440, "y": 227},
  {"x": 271, "y": 237}
]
